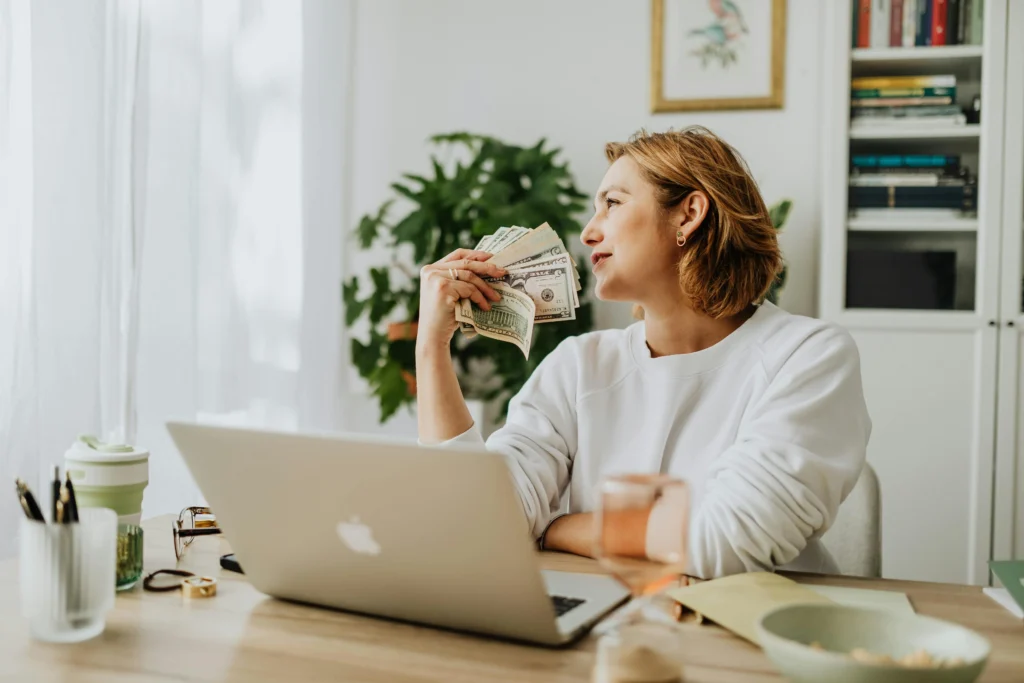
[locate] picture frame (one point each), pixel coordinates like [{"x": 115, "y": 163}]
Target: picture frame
[{"x": 711, "y": 55}]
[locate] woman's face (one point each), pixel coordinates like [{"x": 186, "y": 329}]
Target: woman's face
[{"x": 633, "y": 242}]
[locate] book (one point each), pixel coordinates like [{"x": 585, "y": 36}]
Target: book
[
  {"x": 866, "y": 93},
  {"x": 880, "y": 11},
  {"x": 896, "y": 24},
  {"x": 939, "y": 172},
  {"x": 900, "y": 101},
  {"x": 906, "y": 112},
  {"x": 854, "y": 23},
  {"x": 977, "y": 20},
  {"x": 923, "y": 27},
  {"x": 863, "y": 23},
  {"x": 929, "y": 161},
  {"x": 960, "y": 197},
  {"x": 905, "y": 179},
  {"x": 954, "y": 33},
  {"x": 937, "y": 81},
  {"x": 1011, "y": 574},
  {"x": 939, "y": 19},
  {"x": 910, "y": 21}
]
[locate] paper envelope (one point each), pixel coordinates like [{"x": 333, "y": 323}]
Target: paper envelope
[{"x": 738, "y": 602}]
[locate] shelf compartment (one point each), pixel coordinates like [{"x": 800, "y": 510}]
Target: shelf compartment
[
  {"x": 911, "y": 270},
  {"x": 962, "y": 60},
  {"x": 916, "y": 225},
  {"x": 970, "y": 131}
]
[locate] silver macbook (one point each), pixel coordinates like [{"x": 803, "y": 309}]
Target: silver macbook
[{"x": 388, "y": 528}]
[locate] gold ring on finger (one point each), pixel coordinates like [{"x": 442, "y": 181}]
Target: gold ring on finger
[{"x": 454, "y": 273}]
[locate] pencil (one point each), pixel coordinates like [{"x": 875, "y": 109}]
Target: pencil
[
  {"x": 56, "y": 489},
  {"x": 28, "y": 502},
  {"x": 72, "y": 503}
]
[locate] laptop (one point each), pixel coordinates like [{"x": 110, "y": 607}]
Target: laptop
[{"x": 389, "y": 528}]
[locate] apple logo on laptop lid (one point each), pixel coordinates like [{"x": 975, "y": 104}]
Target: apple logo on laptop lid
[{"x": 358, "y": 537}]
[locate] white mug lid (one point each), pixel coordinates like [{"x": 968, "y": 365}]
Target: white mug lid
[{"x": 81, "y": 452}]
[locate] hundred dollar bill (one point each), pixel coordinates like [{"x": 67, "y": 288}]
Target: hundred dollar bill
[
  {"x": 507, "y": 238},
  {"x": 491, "y": 243},
  {"x": 510, "y": 319},
  {"x": 549, "y": 287},
  {"x": 494, "y": 243},
  {"x": 553, "y": 262},
  {"x": 537, "y": 241},
  {"x": 551, "y": 290},
  {"x": 496, "y": 238},
  {"x": 529, "y": 244}
]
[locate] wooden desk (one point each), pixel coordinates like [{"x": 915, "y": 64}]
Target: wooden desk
[{"x": 242, "y": 635}]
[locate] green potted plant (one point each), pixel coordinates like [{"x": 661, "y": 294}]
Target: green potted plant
[
  {"x": 779, "y": 212},
  {"x": 490, "y": 184}
]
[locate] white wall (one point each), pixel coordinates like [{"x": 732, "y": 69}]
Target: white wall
[{"x": 576, "y": 72}]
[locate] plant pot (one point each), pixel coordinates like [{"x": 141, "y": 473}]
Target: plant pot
[
  {"x": 402, "y": 331},
  {"x": 410, "y": 381}
]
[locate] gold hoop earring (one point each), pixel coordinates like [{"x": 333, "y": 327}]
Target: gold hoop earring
[{"x": 680, "y": 238}]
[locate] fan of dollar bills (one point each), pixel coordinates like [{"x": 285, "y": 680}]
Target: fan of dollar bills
[{"x": 540, "y": 286}]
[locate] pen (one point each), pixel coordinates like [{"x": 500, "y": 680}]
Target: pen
[
  {"x": 58, "y": 513},
  {"x": 65, "y": 506},
  {"x": 28, "y": 502},
  {"x": 72, "y": 503},
  {"x": 56, "y": 490}
]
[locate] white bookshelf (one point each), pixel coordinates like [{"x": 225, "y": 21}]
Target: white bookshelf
[
  {"x": 899, "y": 132},
  {"x": 936, "y": 380},
  {"x": 920, "y": 57},
  {"x": 878, "y": 224}
]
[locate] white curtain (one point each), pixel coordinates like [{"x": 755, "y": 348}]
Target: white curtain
[
  {"x": 160, "y": 254},
  {"x": 222, "y": 297},
  {"x": 19, "y": 424}
]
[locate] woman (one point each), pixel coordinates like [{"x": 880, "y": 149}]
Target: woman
[{"x": 762, "y": 412}]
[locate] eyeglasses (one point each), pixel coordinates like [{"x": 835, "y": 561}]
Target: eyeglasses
[{"x": 192, "y": 522}]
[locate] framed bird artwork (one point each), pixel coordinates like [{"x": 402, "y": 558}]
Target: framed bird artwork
[{"x": 717, "y": 54}]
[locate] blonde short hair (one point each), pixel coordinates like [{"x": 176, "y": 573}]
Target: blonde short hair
[{"x": 731, "y": 261}]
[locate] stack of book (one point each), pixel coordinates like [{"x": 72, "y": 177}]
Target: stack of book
[
  {"x": 917, "y": 23},
  {"x": 897, "y": 182},
  {"x": 908, "y": 101}
]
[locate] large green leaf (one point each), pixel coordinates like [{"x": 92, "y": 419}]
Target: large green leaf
[
  {"x": 408, "y": 193},
  {"x": 353, "y": 306},
  {"x": 369, "y": 226},
  {"x": 410, "y": 229},
  {"x": 390, "y": 388},
  {"x": 365, "y": 357},
  {"x": 779, "y": 213}
]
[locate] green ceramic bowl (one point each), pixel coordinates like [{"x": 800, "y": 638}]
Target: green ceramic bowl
[{"x": 787, "y": 632}]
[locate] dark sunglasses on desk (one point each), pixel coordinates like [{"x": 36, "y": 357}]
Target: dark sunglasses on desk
[{"x": 192, "y": 522}]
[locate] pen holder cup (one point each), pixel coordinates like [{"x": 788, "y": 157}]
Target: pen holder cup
[{"x": 67, "y": 575}]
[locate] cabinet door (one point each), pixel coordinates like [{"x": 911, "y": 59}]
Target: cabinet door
[
  {"x": 1008, "y": 511},
  {"x": 931, "y": 396},
  {"x": 1008, "y": 508}
]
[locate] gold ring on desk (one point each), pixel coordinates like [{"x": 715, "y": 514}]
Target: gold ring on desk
[{"x": 199, "y": 587}]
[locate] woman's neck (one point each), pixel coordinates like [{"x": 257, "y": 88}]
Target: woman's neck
[{"x": 676, "y": 328}]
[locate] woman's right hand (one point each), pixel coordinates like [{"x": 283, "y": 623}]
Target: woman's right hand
[{"x": 459, "y": 275}]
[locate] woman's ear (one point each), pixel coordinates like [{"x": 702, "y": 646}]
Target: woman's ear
[{"x": 689, "y": 215}]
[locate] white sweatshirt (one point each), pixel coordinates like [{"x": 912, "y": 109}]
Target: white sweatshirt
[{"x": 769, "y": 427}]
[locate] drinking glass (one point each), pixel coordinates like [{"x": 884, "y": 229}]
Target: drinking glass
[{"x": 641, "y": 538}]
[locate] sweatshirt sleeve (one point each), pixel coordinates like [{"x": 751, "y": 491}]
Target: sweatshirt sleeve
[
  {"x": 539, "y": 438},
  {"x": 795, "y": 458}
]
